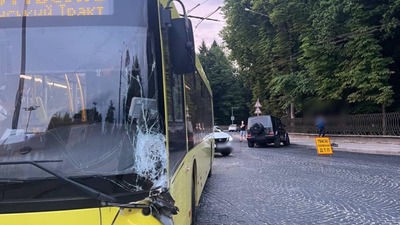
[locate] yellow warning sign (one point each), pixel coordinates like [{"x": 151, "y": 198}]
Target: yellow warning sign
[{"x": 324, "y": 146}]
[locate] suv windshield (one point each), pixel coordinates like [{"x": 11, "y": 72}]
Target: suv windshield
[{"x": 81, "y": 89}]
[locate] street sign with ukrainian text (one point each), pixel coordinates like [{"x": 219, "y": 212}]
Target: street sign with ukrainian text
[{"x": 324, "y": 146}]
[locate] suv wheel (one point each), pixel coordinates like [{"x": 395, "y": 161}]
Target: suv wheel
[
  {"x": 277, "y": 143},
  {"x": 225, "y": 153},
  {"x": 287, "y": 141},
  {"x": 250, "y": 144}
]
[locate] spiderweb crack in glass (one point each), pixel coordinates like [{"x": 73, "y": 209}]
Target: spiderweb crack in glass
[{"x": 150, "y": 150}]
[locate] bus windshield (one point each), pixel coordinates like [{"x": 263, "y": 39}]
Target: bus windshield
[{"x": 81, "y": 88}]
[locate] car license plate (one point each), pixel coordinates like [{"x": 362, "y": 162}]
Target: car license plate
[{"x": 220, "y": 145}]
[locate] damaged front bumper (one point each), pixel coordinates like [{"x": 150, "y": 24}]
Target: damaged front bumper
[{"x": 159, "y": 208}]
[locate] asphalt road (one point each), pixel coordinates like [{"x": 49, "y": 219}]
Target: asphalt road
[{"x": 291, "y": 185}]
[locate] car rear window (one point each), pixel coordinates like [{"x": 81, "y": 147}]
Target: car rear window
[{"x": 264, "y": 120}]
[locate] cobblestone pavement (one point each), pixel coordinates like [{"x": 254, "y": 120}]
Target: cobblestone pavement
[{"x": 291, "y": 185}]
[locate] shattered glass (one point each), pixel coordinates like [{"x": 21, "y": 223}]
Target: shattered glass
[{"x": 88, "y": 95}]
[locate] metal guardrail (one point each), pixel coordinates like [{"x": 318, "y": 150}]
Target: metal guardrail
[{"x": 366, "y": 124}]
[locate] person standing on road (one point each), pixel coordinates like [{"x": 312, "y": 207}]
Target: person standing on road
[
  {"x": 242, "y": 131},
  {"x": 320, "y": 123}
]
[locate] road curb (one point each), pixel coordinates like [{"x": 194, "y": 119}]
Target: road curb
[
  {"x": 341, "y": 149},
  {"x": 355, "y": 150},
  {"x": 348, "y": 136}
]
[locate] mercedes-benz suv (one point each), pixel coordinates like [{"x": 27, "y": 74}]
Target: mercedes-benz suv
[{"x": 263, "y": 130}]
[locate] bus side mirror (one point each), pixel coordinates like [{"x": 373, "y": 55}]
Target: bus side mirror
[{"x": 181, "y": 46}]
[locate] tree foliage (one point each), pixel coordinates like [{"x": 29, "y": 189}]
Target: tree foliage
[
  {"x": 227, "y": 87},
  {"x": 342, "y": 52}
]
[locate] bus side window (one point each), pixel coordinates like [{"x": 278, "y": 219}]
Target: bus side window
[
  {"x": 198, "y": 110},
  {"x": 176, "y": 123}
]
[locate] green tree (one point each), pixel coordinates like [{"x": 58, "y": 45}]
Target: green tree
[
  {"x": 227, "y": 87},
  {"x": 343, "y": 53},
  {"x": 326, "y": 53}
]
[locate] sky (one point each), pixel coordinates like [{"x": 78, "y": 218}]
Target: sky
[{"x": 207, "y": 30}]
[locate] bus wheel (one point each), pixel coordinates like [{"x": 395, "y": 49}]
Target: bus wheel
[
  {"x": 210, "y": 173},
  {"x": 194, "y": 213},
  {"x": 211, "y": 164}
]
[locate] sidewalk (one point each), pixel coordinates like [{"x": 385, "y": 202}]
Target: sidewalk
[
  {"x": 366, "y": 145},
  {"x": 381, "y": 146}
]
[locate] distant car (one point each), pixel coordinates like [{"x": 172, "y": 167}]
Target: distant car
[
  {"x": 217, "y": 129},
  {"x": 223, "y": 143},
  {"x": 232, "y": 128},
  {"x": 266, "y": 130}
]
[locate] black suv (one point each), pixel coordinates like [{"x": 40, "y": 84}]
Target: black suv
[{"x": 264, "y": 130}]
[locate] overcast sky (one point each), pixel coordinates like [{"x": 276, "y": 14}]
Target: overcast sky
[{"x": 207, "y": 30}]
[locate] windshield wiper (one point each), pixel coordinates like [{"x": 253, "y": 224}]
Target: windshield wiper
[
  {"x": 10, "y": 181},
  {"x": 88, "y": 190}
]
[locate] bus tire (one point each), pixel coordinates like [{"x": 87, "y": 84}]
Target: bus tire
[
  {"x": 194, "y": 213},
  {"x": 211, "y": 165}
]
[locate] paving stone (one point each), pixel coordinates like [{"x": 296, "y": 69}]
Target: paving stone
[{"x": 291, "y": 185}]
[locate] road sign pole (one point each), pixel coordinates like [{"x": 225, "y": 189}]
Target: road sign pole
[{"x": 232, "y": 119}]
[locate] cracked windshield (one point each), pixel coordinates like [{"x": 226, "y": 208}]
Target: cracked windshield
[
  {"x": 199, "y": 112},
  {"x": 84, "y": 93}
]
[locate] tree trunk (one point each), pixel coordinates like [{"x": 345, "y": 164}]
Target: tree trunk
[{"x": 292, "y": 111}]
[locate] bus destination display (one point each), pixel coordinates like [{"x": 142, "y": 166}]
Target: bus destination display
[{"x": 17, "y": 8}]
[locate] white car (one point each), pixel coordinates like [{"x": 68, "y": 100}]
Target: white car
[
  {"x": 223, "y": 143},
  {"x": 217, "y": 129},
  {"x": 232, "y": 128}
]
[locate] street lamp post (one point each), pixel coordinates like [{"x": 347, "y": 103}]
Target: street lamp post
[{"x": 252, "y": 11}]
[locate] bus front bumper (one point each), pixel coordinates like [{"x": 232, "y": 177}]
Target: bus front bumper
[
  {"x": 157, "y": 209},
  {"x": 81, "y": 216}
]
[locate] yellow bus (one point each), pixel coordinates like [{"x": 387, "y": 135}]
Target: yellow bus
[{"x": 105, "y": 113}]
